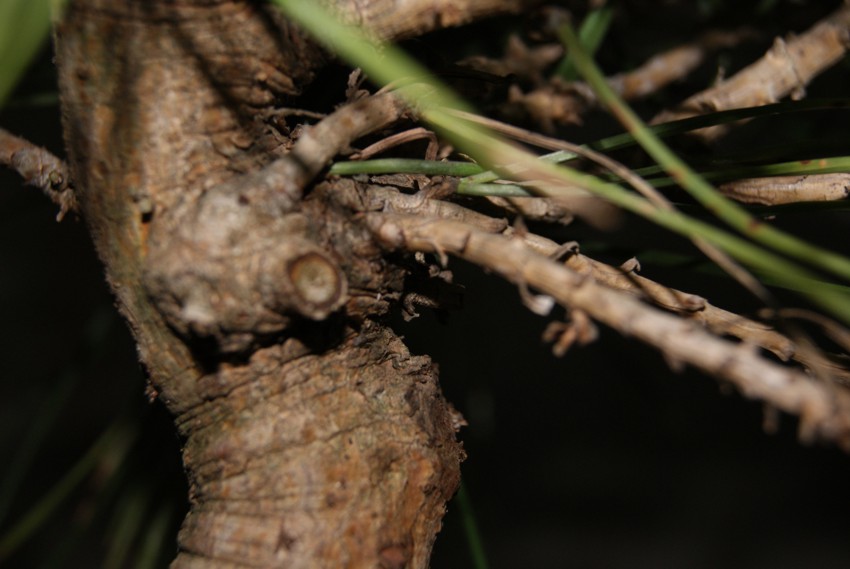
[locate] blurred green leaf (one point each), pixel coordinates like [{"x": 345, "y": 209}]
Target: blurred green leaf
[
  {"x": 593, "y": 29},
  {"x": 24, "y": 25},
  {"x": 113, "y": 444}
]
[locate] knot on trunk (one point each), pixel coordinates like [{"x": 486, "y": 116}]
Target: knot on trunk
[{"x": 238, "y": 267}]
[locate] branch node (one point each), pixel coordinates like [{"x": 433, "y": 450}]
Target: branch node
[{"x": 318, "y": 284}]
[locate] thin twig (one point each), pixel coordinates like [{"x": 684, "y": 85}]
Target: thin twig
[
  {"x": 523, "y": 62},
  {"x": 702, "y": 191},
  {"x": 717, "y": 320},
  {"x": 724, "y": 261},
  {"x": 399, "y": 138},
  {"x": 39, "y": 168},
  {"x": 838, "y": 333},
  {"x": 673, "y": 65},
  {"x": 287, "y": 177},
  {"x": 379, "y": 198},
  {"x": 564, "y": 103},
  {"x": 548, "y": 210}
]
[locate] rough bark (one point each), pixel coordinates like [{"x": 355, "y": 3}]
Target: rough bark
[
  {"x": 312, "y": 438},
  {"x": 342, "y": 459}
]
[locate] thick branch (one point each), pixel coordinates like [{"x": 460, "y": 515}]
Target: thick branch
[
  {"x": 823, "y": 410},
  {"x": 693, "y": 307},
  {"x": 785, "y": 69},
  {"x": 717, "y": 320},
  {"x": 390, "y": 19},
  {"x": 235, "y": 264},
  {"x": 662, "y": 69},
  {"x": 778, "y": 190}
]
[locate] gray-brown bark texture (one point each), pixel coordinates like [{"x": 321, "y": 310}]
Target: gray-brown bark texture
[{"x": 312, "y": 437}]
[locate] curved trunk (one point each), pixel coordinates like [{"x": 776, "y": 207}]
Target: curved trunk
[{"x": 309, "y": 441}]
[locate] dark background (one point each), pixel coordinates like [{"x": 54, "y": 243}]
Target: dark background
[{"x": 604, "y": 458}]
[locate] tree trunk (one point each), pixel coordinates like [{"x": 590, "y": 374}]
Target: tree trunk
[{"x": 312, "y": 438}]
